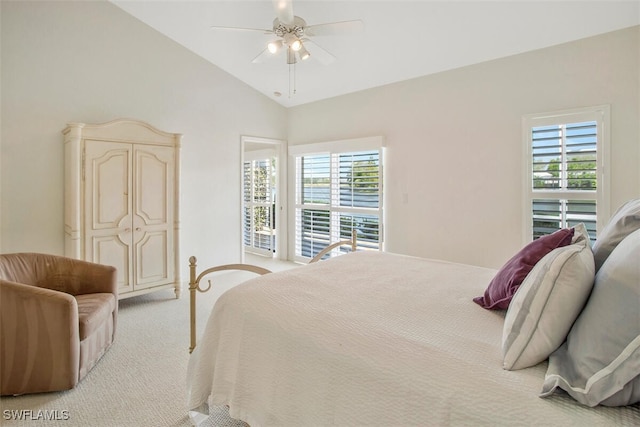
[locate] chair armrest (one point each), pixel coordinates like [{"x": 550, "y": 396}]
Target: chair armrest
[
  {"x": 40, "y": 346},
  {"x": 77, "y": 277}
]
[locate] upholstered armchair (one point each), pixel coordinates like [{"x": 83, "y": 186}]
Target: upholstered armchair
[{"x": 57, "y": 318}]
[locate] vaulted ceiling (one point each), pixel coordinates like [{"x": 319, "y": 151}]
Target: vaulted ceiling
[{"x": 399, "y": 40}]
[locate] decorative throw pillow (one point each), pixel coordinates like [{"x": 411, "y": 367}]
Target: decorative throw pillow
[
  {"x": 624, "y": 222},
  {"x": 547, "y": 303},
  {"x": 600, "y": 361},
  {"x": 506, "y": 282}
]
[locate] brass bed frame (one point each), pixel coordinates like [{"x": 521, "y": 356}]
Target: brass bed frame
[{"x": 195, "y": 278}]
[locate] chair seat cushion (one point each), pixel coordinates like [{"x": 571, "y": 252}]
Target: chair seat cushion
[{"x": 93, "y": 311}]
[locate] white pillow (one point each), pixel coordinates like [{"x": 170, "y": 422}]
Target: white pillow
[
  {"x": 547, "y": 303},
  {"x": 624, "y": 221},
  {"x": 599, "y": 364}
]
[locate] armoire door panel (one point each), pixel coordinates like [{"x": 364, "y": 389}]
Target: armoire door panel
[
  {"x": 108, "y": 205},
  {"x": 152, "y": 253},
  {"x": 110, "y": 250},
  {"x": 110, "y": 184},
  {"x": 154, "y": 170}
]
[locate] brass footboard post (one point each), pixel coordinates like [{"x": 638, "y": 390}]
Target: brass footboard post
[
  {"x": 354, "y": 239},
  {"x": 192, "y": 296}
]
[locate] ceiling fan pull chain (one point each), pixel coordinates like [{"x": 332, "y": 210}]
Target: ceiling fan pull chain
[{"x": 292, "y": 81}]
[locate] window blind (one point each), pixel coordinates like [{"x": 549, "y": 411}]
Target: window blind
[
  {"x": 338, "y": 193},
  {"x": 258, "y": 221},
  {"x": 566, "y": 170},
  {"x": 565, "y": 156}
]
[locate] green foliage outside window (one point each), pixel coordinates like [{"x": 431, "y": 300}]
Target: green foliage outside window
[{"x": 581, "y": 173}]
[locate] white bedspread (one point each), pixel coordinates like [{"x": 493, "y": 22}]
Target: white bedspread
[{"x": 371, "y": 339}]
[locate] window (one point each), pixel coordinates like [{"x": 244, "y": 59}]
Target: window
[
  {"x": 566, "y": 170},
  {"x": 336, "y": 192}
]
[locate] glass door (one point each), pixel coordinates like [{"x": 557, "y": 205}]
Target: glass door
[{"x": 259, "y": 231}]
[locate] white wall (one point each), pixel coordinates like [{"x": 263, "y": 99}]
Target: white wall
[
  {"x": 454, "y": 139},
  {"x": 92, "y": 62},
  {"x": 455, "y": 145}
]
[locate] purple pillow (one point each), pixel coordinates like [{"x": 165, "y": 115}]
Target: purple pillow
[{"x": 506, "y": 282}]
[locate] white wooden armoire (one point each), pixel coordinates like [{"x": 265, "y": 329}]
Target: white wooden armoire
[{"x": 121, "y": 202}]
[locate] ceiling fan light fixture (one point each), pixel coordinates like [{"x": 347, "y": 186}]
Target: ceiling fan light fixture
[
  {"x": 292, "y": 41},
  {"x": 304, "y": 53},
  {"x": 274, "y": 46}
]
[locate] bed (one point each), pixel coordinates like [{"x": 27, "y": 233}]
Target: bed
[{"x": 380, "y": 339}]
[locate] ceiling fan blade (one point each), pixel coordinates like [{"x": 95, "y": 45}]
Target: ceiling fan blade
[
  {"x": 284, "y": 11},
  {"x": 318, "y": 53},
  {"x": 262, "y": 56},
  {"x": 334, "y": 28},
  {"x": 265, "y": 56},
  {"x": 261, "y": 30}
]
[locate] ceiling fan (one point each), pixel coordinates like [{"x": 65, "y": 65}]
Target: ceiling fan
[{"x": 292, "y": 35}]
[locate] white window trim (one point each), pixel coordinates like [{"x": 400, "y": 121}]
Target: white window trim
[
  {"x": 341, "y": 146},
  {"x": 337, "y": 146},
  {"x": 602, "y": 115}
]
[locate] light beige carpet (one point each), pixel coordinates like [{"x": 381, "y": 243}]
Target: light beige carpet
[{"x": 140, "y": 381}]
